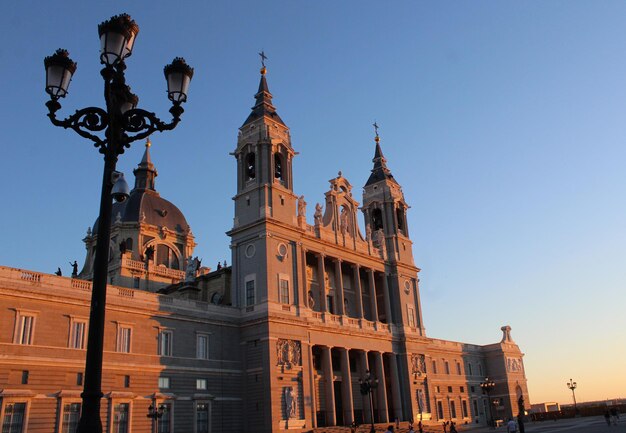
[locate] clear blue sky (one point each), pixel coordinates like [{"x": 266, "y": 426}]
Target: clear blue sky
[{"x": 504, "y": 122}]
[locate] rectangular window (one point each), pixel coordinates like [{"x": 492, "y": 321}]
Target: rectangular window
[
  {"x": 283, "y": 287},
  {"x": 472, "y": 389},
  {"x": 452, "y": 409},
  {"x": 469, "y": 369},
  {"x": 26, "y": 329},
  {"x": 202, "y": 418},
  {"x": 464, "y": 408},
  {"x": 164, "y": 424},
  {"x": 25, "y": 377},
  {"x": 123, "y": 339},
  {"x": 462, "y": 389},
  {"x": 79, "y": 379},
  {"x": 480, "y": 369},
  {"x": 13, "y": 421},
  {"x": 449, "y": 389},
  {"x": 77, "y": 334},
  {"x": 120, "y": 418},
  {"x": 437, "y": 388},
  {"x": 475, "y": 402},
  {"x": 250, "y": 293},
  {"x": 202, "y": 346},
  {"x": 71, "y": 415},
  {"x": 434, "y": 366},
  {"x": 126, "y": 381},
  {"x": 165, "y": 343},
  {"x": 136, "y": 282},
  {"x": 201, "y": 384},
  {"x": 411, "y": 316},
  {"x": 164, "y": 382},
  {"x": 440, "y": 410},
  {"x": 446, "y": 365},
  {"x": 458, "y": 368}
]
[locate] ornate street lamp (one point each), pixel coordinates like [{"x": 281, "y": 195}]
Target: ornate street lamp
[
  {"x": 155, "y": 414},
  {"x": 368, "y": 385},
  {"x": 487, "y": 386},
  {"x": 112, "y": 130},
  {"x": 572, "y": 385}
]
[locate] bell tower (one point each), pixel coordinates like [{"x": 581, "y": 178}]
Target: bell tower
[
  {"x": 264, "y": 164},
  {"x": 385, "y": 210}
]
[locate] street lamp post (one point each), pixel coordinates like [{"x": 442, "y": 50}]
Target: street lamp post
[
  {"x": 368, "y": 384},
  {"x": 112, "y": 130},
  {"x": 154, "y": 414},
  {"x": 487, "y": 386},
  {"x": 572, "y": 385}
]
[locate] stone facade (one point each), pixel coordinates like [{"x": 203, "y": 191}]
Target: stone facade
[{"x": 279, "y": 341}]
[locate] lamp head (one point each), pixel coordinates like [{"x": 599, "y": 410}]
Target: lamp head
[
  {"x": 117, "y": 38},
  {"x": 120, "y": 191},
  {"x": 178, "y": 75},
  {"x": 59, "y": 71}
]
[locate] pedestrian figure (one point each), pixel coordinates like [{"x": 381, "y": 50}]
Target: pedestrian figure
[
  {"x": 58, "y": 273},
  {"x": 452, "y": 427},
  {"x": 420, "y": 427},
  {"x": 445, "y": 426},
  {"x": 607, "y": 417},
  {"x": 74, "y": 269},
  {"x": 511, "y": 426},
  {"x": 614, "y": 415}
]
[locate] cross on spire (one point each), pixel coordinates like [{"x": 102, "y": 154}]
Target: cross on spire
[
  {"x": 263, "y": 58},
  {"x": 375, "y": 125}
]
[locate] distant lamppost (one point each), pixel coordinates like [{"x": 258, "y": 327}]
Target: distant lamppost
[
  {"x": 368, "y": 385},
  {"x": 112, "y": 130},
  {"x": 572, "y": 385},
  {"x": 156, "y": 413},
  {"x": 487, "y": 386}
]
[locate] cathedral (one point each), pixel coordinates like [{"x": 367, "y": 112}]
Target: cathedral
[{"x": 314, "y": 323}]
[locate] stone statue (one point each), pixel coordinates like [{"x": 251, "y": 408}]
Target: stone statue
[
  {"x": 193, "y": 264},
  {"x": 311, "y": 300},
  {"x": 118, "y": 218},
  {"x": 74, "y": 269},
  {"x": 290, "y": 402},
  {"x": 288, "y": 353},
  {"x": 318, "y": 214},
  {"x": 301, "y": 206},
  {"x": 368, "y": 233},
  {"x": 149, "y": 253},
  {"x": 123, "y": 247},
  {"x": 343, "y": 221}
]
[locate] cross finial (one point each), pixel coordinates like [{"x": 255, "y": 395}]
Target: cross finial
[
  {"x": 375, "y": 125},
  {"x": 263, "y": 58}
]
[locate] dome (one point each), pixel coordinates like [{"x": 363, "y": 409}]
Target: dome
[
  {"x": 151, "y": 206},
  {"x": 145, "y": 204}
]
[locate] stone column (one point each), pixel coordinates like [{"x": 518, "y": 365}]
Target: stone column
[
  {"x": 346, "y": 388},
  {"x": 303, "y": 298},
  {"x": 339, "y": 285},
  {"x": 386, "y": 297},
  {"x": 321, "y": 276},
  {"x": 327, "y": 368},
  {"x": 312, "y": 391},
  {"x": 372, "y": 287},
  {"x": 383, "y": 413},
  {"x": 363, "y": 369},
  {"x": 395, "y": 386},
  {"x": 358, "y": 291}
]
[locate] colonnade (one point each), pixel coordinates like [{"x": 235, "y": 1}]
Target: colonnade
[
  {"x": 366, "y": 302},
  {"x": 341, "y": 401}
]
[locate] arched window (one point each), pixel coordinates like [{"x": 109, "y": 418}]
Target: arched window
[
  {"x": 250, "y": 166},
  {"x": 278, "y": 166},
  {"x": 377, "y": 219},
  {"x": 129, "y": 244},
  {"x": 400, "y": 218},
  {"x": 166, "y": 256}
]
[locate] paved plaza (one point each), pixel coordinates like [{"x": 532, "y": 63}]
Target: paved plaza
[{"x": 595, "y": 424}]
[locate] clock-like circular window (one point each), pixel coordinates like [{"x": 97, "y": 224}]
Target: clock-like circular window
[
  {"x": 407, "y": 286},
  {"x": 282, "y": 249},
  {"x": 250, "y": 250}
]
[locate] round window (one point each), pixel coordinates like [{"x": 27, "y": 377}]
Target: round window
[
  {"x": 250, "y": 250},
  {"x": 282, "y": 249}
]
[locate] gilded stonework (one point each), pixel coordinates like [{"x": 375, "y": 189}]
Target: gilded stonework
[{"x": 288, "y": 353}]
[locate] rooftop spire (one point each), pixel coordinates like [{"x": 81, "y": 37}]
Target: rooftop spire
[
  {"x": 263, "y": 106},
  {"x": 145, "y": 171},
  {"x": 380, "y": 170}
]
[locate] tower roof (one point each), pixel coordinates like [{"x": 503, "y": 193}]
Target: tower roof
[
  {"x": 380, "y": 171},
  {"x": 263, "y": 106},
  {"x": 145, "y": 173}
]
